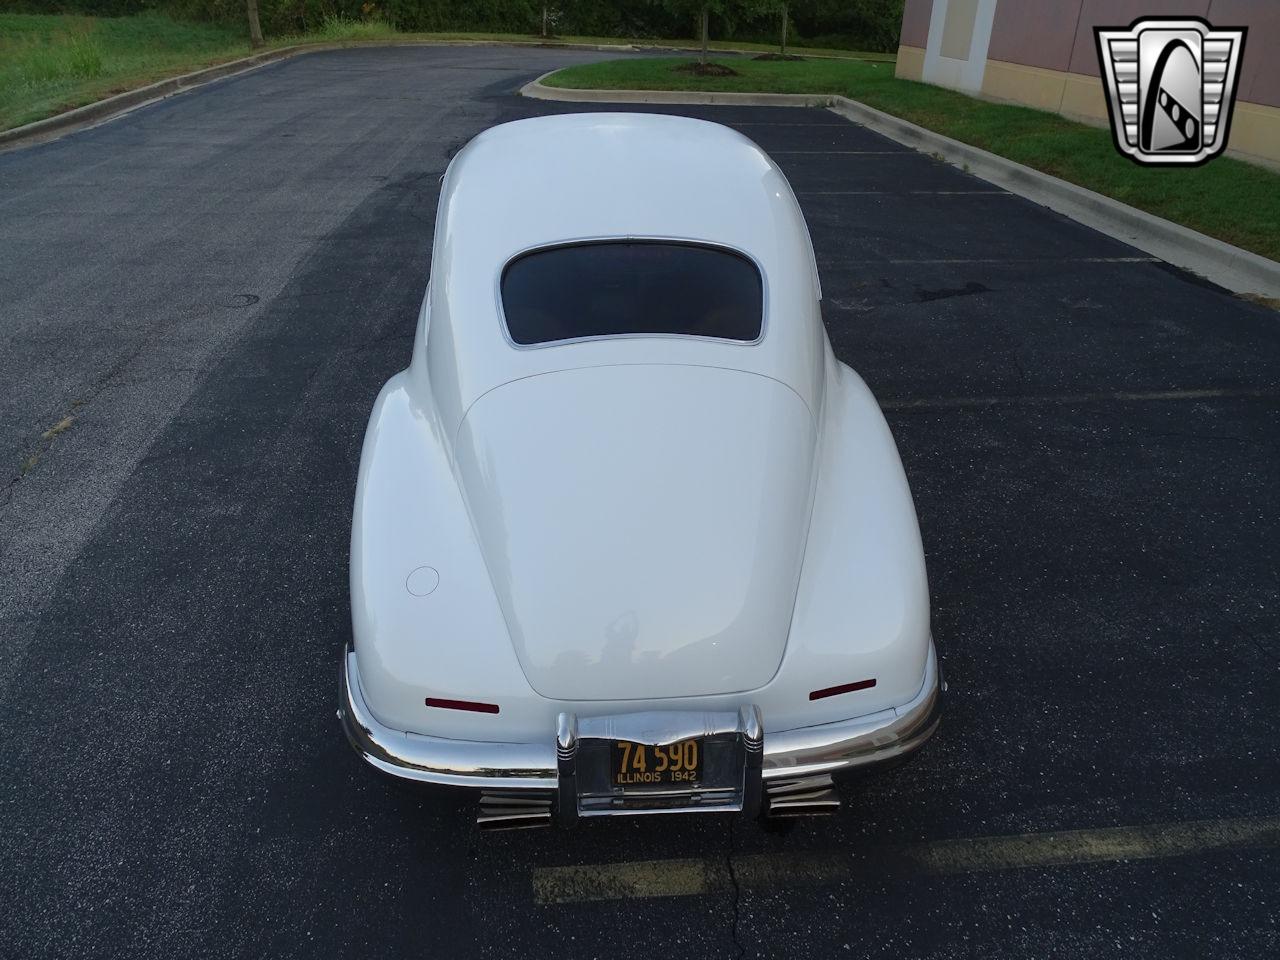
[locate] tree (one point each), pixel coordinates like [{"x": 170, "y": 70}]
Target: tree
[
  {"x": 864, "y": 25},
  {"x": 255, "y": 28},
  {"x": 783, "y": 9},
  {"x": 701, "y": 10}
]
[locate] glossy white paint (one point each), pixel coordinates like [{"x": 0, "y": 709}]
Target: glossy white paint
[
  {"x": 625, "y": 524},
  {"x": 646, "y": 542},
  {"x": 538, "y": 182}
]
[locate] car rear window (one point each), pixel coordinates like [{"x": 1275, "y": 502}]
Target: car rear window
[{"x": 621, "y": 288}]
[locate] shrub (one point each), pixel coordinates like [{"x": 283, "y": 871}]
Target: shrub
[
  {"x": 334, "y": 27},
  {"x": 862, "y": 25},
  {"x": 65, "y": 56},
  {"x": 83, "y": 57}
]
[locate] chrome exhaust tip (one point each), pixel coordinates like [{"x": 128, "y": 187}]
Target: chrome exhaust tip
[
  {"x": 803, "y": 797},
  {"x": 513, "y": 811}
]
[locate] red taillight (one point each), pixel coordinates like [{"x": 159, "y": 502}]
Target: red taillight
[
  {"x": 471, "y": 705},
  {"x": 843, "y": 688}
]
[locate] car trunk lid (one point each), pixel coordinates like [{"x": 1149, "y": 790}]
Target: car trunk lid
[{"x": 643, "y": 525}]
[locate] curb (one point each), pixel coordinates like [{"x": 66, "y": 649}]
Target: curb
[
  {"x": 50, "y": 128},
  {"x": 55, "y": 126},
  {"x": 536, "y": 91},
  {"x": 1231, "y": 267}
]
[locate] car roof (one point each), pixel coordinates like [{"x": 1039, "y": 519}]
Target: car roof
[{"x": 576, "y": 177}]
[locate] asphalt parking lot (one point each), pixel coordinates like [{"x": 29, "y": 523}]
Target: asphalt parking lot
[{"x": 200, "y": 302}]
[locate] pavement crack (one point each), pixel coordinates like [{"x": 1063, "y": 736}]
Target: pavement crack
[
  {"x": 39, "y": 448},
  {"x": 36, "y": 453},
  {"x": 735, "y": 889},
  {"x": 31, "y": 459}
]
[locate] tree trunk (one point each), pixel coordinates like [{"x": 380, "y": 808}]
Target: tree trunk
[
  {"x": 784, "y": 29},
  {"x": 544, "y": 21},
  {"x": 255, "y": 28},
  {"x": 703, "y": 58}
]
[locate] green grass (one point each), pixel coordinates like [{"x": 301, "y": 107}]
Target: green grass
[
  {"x": 1227, "y": 198},
  {"x": 823, "y": 52},
  {"x": 52, "y": 63},
  {"x": 660, "y": 44},
  {"x": 336, "y": 28}
]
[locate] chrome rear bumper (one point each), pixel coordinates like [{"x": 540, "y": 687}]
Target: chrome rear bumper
[{"x": 534, "y": 769}]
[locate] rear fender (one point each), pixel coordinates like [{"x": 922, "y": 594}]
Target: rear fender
[
  {"x": 424, "y": 616},
  {"x": 862, "y": 607}
]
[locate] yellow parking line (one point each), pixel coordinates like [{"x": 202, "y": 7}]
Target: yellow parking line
[
  {"x": 628, "y": 881},
  {"x": 692, "y": 877}
]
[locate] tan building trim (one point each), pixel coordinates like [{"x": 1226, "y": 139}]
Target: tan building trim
[
  {"x": 910, "y": 63},
  {"x": 1016, "y": 83},
  {"x": 1070, "y": 94},
  {"x": 1255, "y": 127},
  {"x": 1084, "y": 99},
  {"x": 1255, "y": 133}
]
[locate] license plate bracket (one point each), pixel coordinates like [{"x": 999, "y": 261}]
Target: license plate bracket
[{"x": 688, "y": 762}]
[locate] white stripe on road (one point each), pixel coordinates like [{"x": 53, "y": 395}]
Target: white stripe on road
[
  {"x": 1031, "y": 260},
  {"x": 951, "y": 403},
  {"x": 900, "y": 193},
  {"x": 835, "y": 153},
  {"x": 825, "y": 262}
]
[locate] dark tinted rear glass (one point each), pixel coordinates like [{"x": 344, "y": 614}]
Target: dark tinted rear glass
[{"x": 612, "y": 289}]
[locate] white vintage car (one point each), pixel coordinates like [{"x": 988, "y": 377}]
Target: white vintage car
[{"x": 627, "y": 537}]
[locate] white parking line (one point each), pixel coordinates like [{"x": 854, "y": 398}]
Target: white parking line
[
  {"x": 773, "y": 123},
  {"x": 927, "y": 193},
  {"x": 951, "y": 403},
  {"x": 836, "y": 153},
  {"x": 1021, "y": 260},
  {"x": 694, "y": 877},
  {"x": 849, "y": 261}
]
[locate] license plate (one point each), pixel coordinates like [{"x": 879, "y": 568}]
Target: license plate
[{"x": 647, "y": 765}]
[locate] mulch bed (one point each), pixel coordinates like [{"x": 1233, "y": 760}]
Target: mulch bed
[{"x": 707, "y": 69}]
